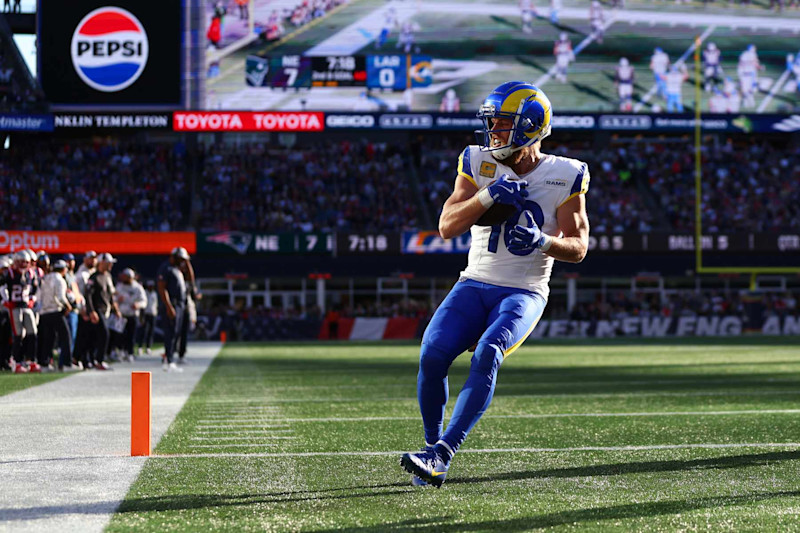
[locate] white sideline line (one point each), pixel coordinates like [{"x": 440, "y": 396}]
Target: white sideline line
[
  {"x": 646, "y": 98},
  {"x": 559, "y": 415},
  {"x": 704, "y": 446},
  {"x": 78, "y": 479}
]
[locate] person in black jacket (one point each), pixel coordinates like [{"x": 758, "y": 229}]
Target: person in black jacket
[
  {"x": 172, "y": 296},
  {"x": 99, "y": 305}
]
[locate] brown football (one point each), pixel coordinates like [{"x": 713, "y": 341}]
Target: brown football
[{"x": 497, "y": 214}]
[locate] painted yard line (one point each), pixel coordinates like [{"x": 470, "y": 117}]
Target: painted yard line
[
  {"x": 512, "y": 384},
  {"x": 246, "y": 426},
  {"x": 558, "y": 395},
  {"x": 267, "y": 420},
  {"x": 241, "y": 431},
  {"x": 258, "y": 445},
  {"x": 544, "y": 78},
  {"x": 242, "y": 438},
  {"x": 777, "y": 86},
  {"x": 681, "y": 60},
  {"x": 559, "y": 415},
  {"x": 704, "y": 446}
]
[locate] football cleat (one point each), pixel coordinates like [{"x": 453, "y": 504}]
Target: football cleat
[
  {"x": 427, "y": 465},
  {"x": 416, "y": 480}
]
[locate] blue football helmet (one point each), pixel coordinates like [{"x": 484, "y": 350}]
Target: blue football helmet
[{"x": 529, "y": 110}]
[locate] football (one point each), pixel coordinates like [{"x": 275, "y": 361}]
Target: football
[{"x": 497, "y": 214}]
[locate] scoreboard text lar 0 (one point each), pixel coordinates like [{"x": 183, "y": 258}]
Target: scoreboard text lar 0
[{"x": 392, "y": 72}]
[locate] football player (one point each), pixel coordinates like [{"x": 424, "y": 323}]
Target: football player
[
  {"x": 747, "y": 70},
  {"x": 793, "y": 66},
  {"x": 17, "y": 283},
  {"x": 562, "y": 49},
  {"x": 659, "y": 64},
  {"x": 624, "y": 82},
  {"x": 712, "y": 69},
  {"x": 677, "y": 75},
  {"x": 528, "y": 13},
  {"x": 597, "y": 17},
  {"x": 732, "y": 95},
  {"x": 502, "y": 293},
  {"x": 450, "y": 102}
]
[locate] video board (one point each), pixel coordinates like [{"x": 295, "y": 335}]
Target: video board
[
  {"x": 440, "y": 55},
  {"x": 94, "y": 54}
]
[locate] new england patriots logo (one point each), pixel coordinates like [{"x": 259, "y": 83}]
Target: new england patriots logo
[{"x": 235, "y": 239}]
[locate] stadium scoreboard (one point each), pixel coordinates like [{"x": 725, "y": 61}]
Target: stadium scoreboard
[{"x": 393, "y": 72}]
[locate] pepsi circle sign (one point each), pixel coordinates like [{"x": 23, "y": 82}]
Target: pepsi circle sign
[{"x": 109, "y": 49}]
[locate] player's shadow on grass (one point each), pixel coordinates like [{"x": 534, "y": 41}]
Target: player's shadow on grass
[
  {"x": 577, "y": 516},
  {"x": 618, "y": 469}
]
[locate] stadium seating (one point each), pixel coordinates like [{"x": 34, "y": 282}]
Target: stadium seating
[{"x": 374, "y": 186}]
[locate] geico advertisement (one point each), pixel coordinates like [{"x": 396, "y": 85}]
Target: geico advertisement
[{"x": 96, "y": 53}]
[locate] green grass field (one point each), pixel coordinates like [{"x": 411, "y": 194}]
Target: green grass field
[
  {"x": 699, "y": 438},
  {"x": 13, "y": 382}
]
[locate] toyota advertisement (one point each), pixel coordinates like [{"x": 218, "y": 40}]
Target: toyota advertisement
[{"x": 100, "y": 54}]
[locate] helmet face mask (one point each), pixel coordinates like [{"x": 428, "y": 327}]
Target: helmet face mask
[{"x": 528, "y": 111}]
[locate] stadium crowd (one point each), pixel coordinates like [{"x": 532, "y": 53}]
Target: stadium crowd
[
  {"x": 97, "y": 186},
  {"x": 686, "y": 302},
  {"x": 752, "y": 187},
  {"x": 347, "y": 185},
  {"x": 56, "y": 316},
  {"x": 359, "y": 185}
]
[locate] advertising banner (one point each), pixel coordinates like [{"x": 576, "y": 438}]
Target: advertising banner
[
  {"x": 15, "y": 122},
  {"x": 97, "y": 54},
  {"x": 243, "y": 243},
  {"x": 429, "y": 242},
  {"x": 114, "y": 242},
  {"x": 130, "y": 121},
  {"x": 684, "y": 326},
  {"x": 581, "y": 121},
  {"x": 247, "y": 121}
]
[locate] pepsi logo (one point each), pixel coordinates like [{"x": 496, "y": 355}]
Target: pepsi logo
[{"x": 109, "y": 49}]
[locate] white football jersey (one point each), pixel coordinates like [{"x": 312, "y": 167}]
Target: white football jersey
[
  {"x": 659, "y": 62},
  {"x": 562, "y": 48},
  {"x": 711, "y": 57},
  {"x": 555, "y": 180}
]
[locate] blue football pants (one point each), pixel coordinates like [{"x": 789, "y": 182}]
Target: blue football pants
[{"x": 498, "y": 319}]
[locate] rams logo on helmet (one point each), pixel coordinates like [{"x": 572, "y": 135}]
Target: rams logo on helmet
[{"x": 529, "y": 111}]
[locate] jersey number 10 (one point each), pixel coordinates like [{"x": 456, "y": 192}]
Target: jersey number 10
[{"x": 494, "y": 236}]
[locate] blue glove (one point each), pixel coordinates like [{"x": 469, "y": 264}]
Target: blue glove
[
  {"x": 508, "y": 191},
  {"x": 525, "y": 239}
]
